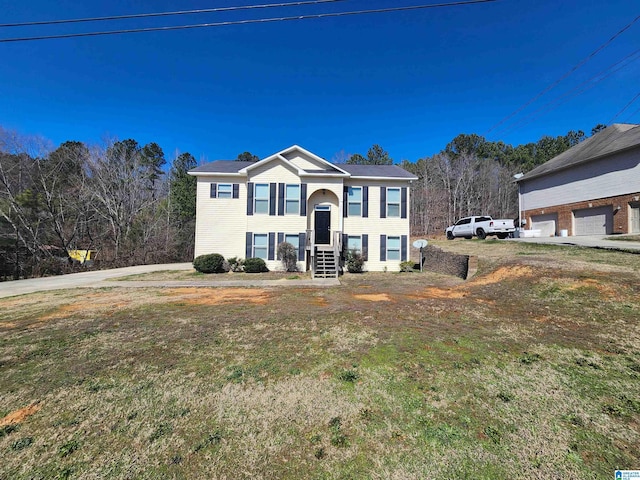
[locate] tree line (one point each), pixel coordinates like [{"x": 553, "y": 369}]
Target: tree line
[
  {"x": 115, "y": 200},
  {"x": 120, "y": 201},
  {"x": 470, "y": 176}
]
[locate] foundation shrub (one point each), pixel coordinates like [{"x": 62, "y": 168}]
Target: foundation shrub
[
  {"x": 210, "y": 263},
  {"x": 255, "y": 265}
]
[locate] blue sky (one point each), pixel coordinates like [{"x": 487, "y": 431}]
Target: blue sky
[{"x": 409, "y": 81}]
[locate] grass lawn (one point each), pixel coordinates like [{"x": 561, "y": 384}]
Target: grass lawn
[{"x": 531, "y": 369}]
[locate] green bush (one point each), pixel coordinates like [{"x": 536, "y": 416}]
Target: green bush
[
  {"x": 288, "y": 255},
  {"x": 210, "y": 263},
  {"x": 255, "y": 265},
  {"x": 355, "y": 261},
  {"x": 406, "y": 266}
]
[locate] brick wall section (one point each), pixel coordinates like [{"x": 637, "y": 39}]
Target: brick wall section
[{"x": 565, "y": 216}]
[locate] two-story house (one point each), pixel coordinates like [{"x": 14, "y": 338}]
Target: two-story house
[
  {"x": 246, "y": 209},
  {"x": 591, "y": 189}
]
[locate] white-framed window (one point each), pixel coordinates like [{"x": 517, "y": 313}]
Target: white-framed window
[
  {"x": 393, "y": 202},
  {"x": 260, "y": 245},
  {"x": 393, "y": 248},
  {"x": 354, "y": 202},
  {"x": 354, "y": 242},
  {"x": 261, "y": 198},
  {"x": 293, "y": 240},
  {"x": 292, "y": 199},
  {"x": 225, "y": 190}
]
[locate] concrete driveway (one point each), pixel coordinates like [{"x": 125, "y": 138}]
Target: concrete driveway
[
  {"x": 83, "y": 279},
  {"x": 100, "y": 278},
  {"x": 592, "y": 241}
]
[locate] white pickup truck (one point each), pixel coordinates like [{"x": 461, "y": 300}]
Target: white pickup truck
[{"x": 481, "y": 227}]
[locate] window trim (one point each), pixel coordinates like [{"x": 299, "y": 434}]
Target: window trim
[
  {"x": 359, "y": 202},
  {"x": 297, "y": 242},
  {"x": 358, "y": 250},
  {"x": 222, "y": 190},
  {"x": 257, "y": 199},
  {"x": 399, "y": 249},
  {"x": 265, "y": 247},
  {"x": 295, "y": 198},
  {"x": 398, "y": 203}
]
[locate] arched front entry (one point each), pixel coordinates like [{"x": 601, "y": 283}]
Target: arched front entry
[{"x": 323, "y": 218}]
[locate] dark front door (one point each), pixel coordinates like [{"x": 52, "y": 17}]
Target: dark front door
[{"x": 323, "y": 227}]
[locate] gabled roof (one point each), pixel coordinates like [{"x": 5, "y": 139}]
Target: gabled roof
[
  {"x": 613, "y": 139},
  {"x": 221, "y": 166},
  {"x": 233, "y": 167},
  {"x": 378, "y": 171},
  {"x": 329, "y": 167}
]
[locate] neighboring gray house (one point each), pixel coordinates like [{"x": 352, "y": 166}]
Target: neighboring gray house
[{"x": 592, "y": 188}]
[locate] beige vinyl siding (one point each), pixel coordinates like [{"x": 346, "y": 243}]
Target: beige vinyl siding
[
  {"x": 275, "y": 171},
  {"x": 304, "y": 162},
  {"x": 221, "y": 222},
  {"x": 374, "y": 226}
]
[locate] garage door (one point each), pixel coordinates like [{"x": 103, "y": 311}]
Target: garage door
[
  {"x": 593, "y": 221},
  {"x": 545, "y": 223}
]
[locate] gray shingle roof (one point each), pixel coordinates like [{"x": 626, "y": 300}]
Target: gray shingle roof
[
  {"x": 616, "y": 138},
  {"x": 389, "y": 171},
  {"x": 386, "y": 171},
  {"x": 221, "y": 166}
]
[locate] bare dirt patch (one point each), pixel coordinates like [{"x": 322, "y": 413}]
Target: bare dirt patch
[
  {"x": 374, "y": 297},
  {"x": 217, "y": 296},
  {"x": 20, "y": 415},
  {"x": 604, "y": 290},
  {"x": 503, "y": 273},
  {"x": 462, "y": 291},
  {"x": 435, "y": 292}
]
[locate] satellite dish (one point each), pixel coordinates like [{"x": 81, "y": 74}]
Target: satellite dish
[{"x": 420, "y": 243}]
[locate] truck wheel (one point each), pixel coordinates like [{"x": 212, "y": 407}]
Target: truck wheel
[
  {"x": 481, "y": 234},
  {"x": 502, "y": 236},
  {"x": 450, "y": 236}
]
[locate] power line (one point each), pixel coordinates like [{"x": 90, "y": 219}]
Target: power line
[
  {"x": 632, "y": 115},
  {"x": 167, "y": 14},
  {"x": 251, "y": 21},
  {"x": 573, "y": 69},
  {"x": 623, "y": 109},
  {"x": 577, "y": 90}
]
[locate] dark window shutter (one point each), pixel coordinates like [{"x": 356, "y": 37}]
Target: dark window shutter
[
  {"x": 280, "y": 240},
  {"x": 302, "y": 241},
  {"x": 248, "y": 252},
  {"x": 213, "y": 193},
  {"x": 345, "y": 202},
  {"x": 365, "y": 201},
  {"x": 383, "y": 202},
  {"x": 345, "y": 245},
  {"x": 272, "y": 199},
  {"x": 403, "y": 248},
  {"x": 403, "y": 204},
  {"x": 236, "y": 190},
  {"x": 365, "y": 247},
  {"x": 281, "y": 199},
  {"x": 303, "y": 200},
  {"x": 383, "y": 248},
  {"x": 272, "y": 245},
  {"x": 250, "y": 198}
]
